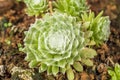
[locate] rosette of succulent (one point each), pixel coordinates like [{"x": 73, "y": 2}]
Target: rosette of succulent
[
  {"x": 56, "y": 43},
  {"x": 97, "y": 28},
  {"x": 36, "y": 7}
]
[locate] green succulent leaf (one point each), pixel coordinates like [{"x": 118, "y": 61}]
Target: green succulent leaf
[
  {"x": 91, "y": 43},
  {"x": 43, "y": 67},
  {"x": 63, "y": 70},
  {"x": 78, "y": 67},
  {"x": 117, "y": 70},
  {"x": 114, "y": 78},
  {"x": 86, "y": 25},
  {"x": 70, "y": 74},
  {"x": 77, "y": 58},
  {"x": 55, "y": 70},
  {"x": 62, "y": 63},
  {"x": 87, "y": 62},
  {"x": 49, "y": 70},
  {"x": 87, "y": 53},
  {"x": 36, "y": 7},
  {"x": 30, "y": 56},
  {"x": 112, "y": 74},
  {"x": 33, "y": 64},
  {"x": 88, "y": 34}
]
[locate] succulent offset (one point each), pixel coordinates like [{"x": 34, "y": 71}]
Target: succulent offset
[
  {"x": 36, "y": 7},
  {"x": 99, "y": 27},
  {"x": 72, "y": 7}
]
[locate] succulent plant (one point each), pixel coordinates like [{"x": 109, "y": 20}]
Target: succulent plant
[
  {"x": 114, "y": 73},
  {"x": 98, "y": 27},
  {"x": 36, "y": 7},
  {"x": 55, "y": 43},
  {"x": 71, "y": 7}
]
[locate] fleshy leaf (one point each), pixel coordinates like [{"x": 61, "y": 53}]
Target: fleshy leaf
[
  {"x": 49, "y": 70},
  {"x": 70, "y": 74},
  {"x": 43, "y": 67},
  {"x": 63, "y": 70},
  {"x": 33, "y": 64},
  {"x": 91, "y": 43},
  {"x": 62, "y": 63},
  {"x": 55, "y": 70},
  {"x": 78, "y": 58},
  {"x": 87, "y": 62},
  {"x": 78, "y": 67},
  {"x": 117, "y": 70},
  {"x": 112, "y": 74},
  {"x": 88, "y": 53}
]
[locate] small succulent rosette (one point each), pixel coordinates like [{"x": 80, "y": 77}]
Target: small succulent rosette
[
  {"x": 36, "y": 7},
  {"x": 98, "y": 28}
]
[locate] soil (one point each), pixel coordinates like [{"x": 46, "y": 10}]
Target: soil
[{"x": 11, "y": 40}]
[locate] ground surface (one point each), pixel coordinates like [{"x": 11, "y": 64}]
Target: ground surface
[{"x": 11, "y": 40}]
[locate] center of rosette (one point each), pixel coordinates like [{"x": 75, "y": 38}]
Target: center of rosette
[
  {"x": 36, "y": 2},
  {"x": 57, "y": 41}
]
